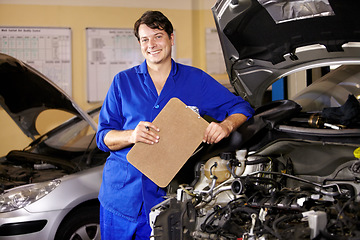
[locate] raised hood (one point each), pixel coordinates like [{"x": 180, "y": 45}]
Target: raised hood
[
  {"x": 25, "y": 93},
  {"x": 264, "y": 40}
]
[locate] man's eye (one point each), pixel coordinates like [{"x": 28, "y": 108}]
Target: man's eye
[{"x": 144, "y": 40}]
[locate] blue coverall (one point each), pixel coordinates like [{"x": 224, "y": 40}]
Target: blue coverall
[{"x": 132, "y": 98}]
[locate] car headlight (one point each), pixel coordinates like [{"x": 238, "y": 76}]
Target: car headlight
[{"x": 20, "y": 197}]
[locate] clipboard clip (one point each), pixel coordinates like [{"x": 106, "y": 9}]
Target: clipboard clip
[{"x": 195, "y": 109}]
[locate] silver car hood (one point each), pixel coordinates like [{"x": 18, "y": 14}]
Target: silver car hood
[
  {"x": 25, "y": 93},
  {"x": 264, "y": 40}
]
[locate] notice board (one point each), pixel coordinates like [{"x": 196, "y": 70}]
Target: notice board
[
  {"x": 109, "y": 51},
  {"x": 46, "y": 49}
]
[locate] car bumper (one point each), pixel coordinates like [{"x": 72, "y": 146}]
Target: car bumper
[{"x": 21, "y": 224}]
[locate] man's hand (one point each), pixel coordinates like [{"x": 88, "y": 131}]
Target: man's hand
[
  {"x": 145, "y": 132},
  {"x": 215, "y": 132}
]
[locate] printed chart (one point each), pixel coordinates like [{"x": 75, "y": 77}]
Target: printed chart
[
  {"x": 48, "y": 50},
  {"x": 109, "y": 51}
]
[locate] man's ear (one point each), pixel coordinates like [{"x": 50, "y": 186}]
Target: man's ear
[{"x": 172, "y": 38}]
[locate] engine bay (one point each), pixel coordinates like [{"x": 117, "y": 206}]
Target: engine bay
[
  {"x": 25, "y": 167},
  {"x": 267, "y": 194}
]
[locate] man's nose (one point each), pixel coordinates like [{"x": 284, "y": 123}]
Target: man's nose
[{"x": 152, "y": 42}]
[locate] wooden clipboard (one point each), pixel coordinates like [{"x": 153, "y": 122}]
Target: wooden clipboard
[{"x": 181, "y": 132}]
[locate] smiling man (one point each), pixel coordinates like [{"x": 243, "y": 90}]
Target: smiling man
[
  {"x": 134, "y": 99},
  {"x": 156, "y": 48}
]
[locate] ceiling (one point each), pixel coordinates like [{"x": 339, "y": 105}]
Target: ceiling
[{"x": 153, "y": 4}]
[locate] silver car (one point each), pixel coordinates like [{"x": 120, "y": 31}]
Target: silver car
[{"x": 48, "y": 189}]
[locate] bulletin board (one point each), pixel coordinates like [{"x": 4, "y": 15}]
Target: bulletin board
[
  {"x": 215, "y": 63},
  {"x": 48, "y": 50},
  {"x": 109, "y": 51}
]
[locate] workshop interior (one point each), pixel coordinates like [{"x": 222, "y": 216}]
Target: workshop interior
[{"x": 291, "y": 171}]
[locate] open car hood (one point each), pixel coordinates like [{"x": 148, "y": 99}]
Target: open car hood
[
  {"x": 264, "y": 40},
  {"x": 25, "y": 93}
]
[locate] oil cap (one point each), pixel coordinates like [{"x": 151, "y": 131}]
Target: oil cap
[{"x": 357, "y": 153}]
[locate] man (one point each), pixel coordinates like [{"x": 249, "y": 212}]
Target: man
[{"x": 134, "y": 99}]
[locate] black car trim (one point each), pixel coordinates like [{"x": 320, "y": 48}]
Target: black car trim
[
  {"x": 30, "y": 157},
  {"x": 320, "y": 132},
  {"x": 19, "y": 228}
]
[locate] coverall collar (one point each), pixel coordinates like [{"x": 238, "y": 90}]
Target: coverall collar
[{"x": 169, "y": 84}]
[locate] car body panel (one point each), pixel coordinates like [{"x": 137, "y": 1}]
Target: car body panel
[
  {"x": 67, "y": 154},
  {"x": 25, "y": 93},
  {"x": 320, "y": 94},
  {"x": 55, "y": 206},
  {"x": 20, "y": 216},
  {"x": 87, "y": 187},
  {"x": 74, "y": 190},
  {"x": 259, "y": 49}
]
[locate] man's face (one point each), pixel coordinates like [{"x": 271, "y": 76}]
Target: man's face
[{"x": 155, "y": 44}]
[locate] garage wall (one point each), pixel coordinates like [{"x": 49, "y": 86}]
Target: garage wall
[{"x": 189, "y": 17}]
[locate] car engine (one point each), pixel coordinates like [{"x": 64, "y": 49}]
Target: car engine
[
  {"x": 287, "y": 180},
  {"x": 245, "y": 196}
]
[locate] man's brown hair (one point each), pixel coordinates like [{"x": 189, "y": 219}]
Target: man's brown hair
[{"x": 154, "y": 20}]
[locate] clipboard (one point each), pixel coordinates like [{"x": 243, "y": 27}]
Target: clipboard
[{"x": 181, "y": 132}]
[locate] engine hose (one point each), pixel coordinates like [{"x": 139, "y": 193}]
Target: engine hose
[
  {"x": 282, "y": 219},
  {"x": 213, "y": 184},
  {"x": 231, "y": 169},
  {"x": 197, "y": 174},
  {"x": 271, "y": 231},
  {"x": 244, "y": 209},
  {"x": 342, "y": 216},
  {"x": 215, "y": 191},
  {"x": 211, "y": 169},
  {"x": 207, "y": 227},
  {"x": 320, "y": 187}
]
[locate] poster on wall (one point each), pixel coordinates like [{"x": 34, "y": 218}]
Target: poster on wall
[
  {"x": 109, "y": 51},
  {"x": 48, "y": 50}
]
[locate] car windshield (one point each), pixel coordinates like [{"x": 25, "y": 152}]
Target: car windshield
[
  {"x": 330, "y": 91},
  {"x": 76, "y": 137}
]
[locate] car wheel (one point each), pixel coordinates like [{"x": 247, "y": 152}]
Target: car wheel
[{"x": 83, "y": 224}]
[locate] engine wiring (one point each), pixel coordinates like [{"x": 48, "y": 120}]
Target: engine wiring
[
  {"x": 262, "y": 191},
  {"x": 269, "y": 203}
]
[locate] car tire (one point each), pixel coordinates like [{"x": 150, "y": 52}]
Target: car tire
[{"x": 82, "y": 224}]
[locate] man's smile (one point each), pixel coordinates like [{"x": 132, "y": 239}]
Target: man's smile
[{"x": 154, "y": 52}]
